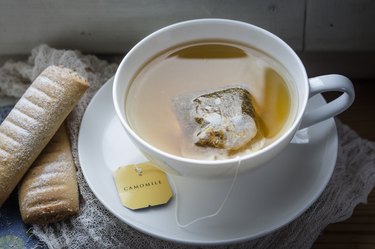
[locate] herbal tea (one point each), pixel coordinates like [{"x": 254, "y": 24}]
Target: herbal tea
[{"x": 197, "y": 70}]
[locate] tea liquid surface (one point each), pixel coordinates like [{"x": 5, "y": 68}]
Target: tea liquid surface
[{"x": 201, "y": 67}]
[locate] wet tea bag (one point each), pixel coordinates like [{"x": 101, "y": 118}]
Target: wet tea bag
[{"x": 218, "y": 124}]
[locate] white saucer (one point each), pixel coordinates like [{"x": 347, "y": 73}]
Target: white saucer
[{"x": 261, "y": 201}]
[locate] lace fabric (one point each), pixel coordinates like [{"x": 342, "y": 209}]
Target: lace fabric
[{"x": 95, "y": 227}]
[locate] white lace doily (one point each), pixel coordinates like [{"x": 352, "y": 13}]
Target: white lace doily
[{"x": 95, "y": 227}]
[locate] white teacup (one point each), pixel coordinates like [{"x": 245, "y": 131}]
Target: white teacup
[{"x": 243, "y": 33}]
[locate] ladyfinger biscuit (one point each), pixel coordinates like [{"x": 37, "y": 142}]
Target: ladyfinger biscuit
[
  {"x": 34, "y": 120},
  {"x": 48, "y": 192}
]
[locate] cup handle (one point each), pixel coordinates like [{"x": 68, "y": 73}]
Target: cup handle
[{"x": 326, "y": 83}]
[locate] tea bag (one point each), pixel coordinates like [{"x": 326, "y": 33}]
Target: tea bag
[{"x": 217, "y": 124}]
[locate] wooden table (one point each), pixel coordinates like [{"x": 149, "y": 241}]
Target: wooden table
[{"x": 359, "y": 230}]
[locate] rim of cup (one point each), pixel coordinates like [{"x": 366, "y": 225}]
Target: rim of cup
[{"x": 288, "y": 133}]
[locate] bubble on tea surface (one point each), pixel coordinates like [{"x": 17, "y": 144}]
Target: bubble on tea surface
[{"x": 217, "y": 124}]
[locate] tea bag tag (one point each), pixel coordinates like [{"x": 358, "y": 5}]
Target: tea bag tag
[{"x": 142, "y": 185}]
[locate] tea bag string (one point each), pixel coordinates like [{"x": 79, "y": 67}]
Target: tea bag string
[
  {"x": 138, "y": 170},
  {"x": 210, "y": 215}
]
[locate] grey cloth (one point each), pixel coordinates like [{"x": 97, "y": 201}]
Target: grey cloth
[{"x": 95, "y": 227}]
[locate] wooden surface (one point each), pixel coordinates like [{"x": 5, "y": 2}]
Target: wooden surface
[
  {"x": 318, "y": 29},
  {"x": 359, "y": 230},
  {"x": 113, "y": 26},
  {"x": 340, "y": 25}
]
